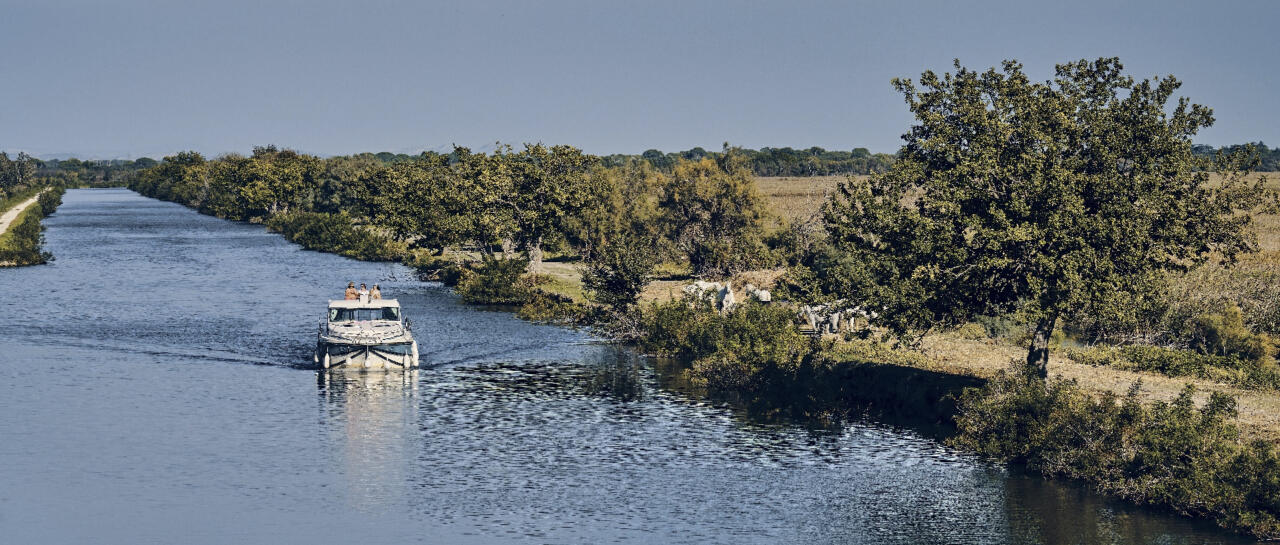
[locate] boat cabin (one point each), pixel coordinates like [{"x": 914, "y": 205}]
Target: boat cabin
[{"x": 364, "y": 311}]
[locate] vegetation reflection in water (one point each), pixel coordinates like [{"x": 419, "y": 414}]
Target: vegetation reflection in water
[{"x": 517, "y": 399}]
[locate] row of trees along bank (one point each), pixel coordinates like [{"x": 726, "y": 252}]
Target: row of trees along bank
[
  {"x": 704, "y": 213},
  {"x": 1076, "y": 201}
]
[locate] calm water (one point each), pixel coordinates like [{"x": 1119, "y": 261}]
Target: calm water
[{"x": 155, "y": 389}]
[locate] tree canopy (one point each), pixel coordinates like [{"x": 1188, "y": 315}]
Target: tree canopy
[{"x": 1049, "y": 198}]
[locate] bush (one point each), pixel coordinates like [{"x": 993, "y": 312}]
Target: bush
[
  {"x": 550, "y": 308},
  {"x": 972, "y": 331},
  {"x": 619, "y": 270},
  {"x": 335, "y": 233},
  {"x": 21, "y": 244},
  {"x": 447, "y": 271},
  {"x": 495, "y": 282},
  {"x": 50, "y": 200},
  {"x": 741, "y": 350},
  {"x": 1168, "y": 454},
  {"x": 1181, "y": 363},
  {"x": 1003, "y": 327},
  {"x": 1224, "y": 334},
  {"x": 876, "y": 352},
  {"x": 725, "y": 257}
]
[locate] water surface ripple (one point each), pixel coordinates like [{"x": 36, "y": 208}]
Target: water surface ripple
[{"x": 155, "y": 388}]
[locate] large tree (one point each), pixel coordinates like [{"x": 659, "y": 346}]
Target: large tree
[
  {"x": 712, "y": 213},
  {"x": 1050, "y": 198}
]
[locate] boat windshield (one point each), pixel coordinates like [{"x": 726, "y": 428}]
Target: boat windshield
[{"x": 363, "y": 314}]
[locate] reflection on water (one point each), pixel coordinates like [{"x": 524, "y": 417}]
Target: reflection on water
[
  {"x": 157, "y": 392},
  {"x": 375, "y": 412}
]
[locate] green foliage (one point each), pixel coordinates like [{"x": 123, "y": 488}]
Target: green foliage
[
  {"x": 1167, "y": 454},
  {"x": 813, "y": 161},
  {"x": 1268, "y": 158},
  {"x": 972, "y": 331},
  {"x": 618, "y": 270},
  {"x": 540, "y": 198},
  {"x": 1054, "y": 199},
  {"x": 1234, "y": 370},
  {"x": 712, "y": 214},
  {"x": 21, "y": 244},
  {"x": 446, "y": 270},
  {"x": 742, "y": 350},
  {"x": 495, "y": 282},
  {"x": 1224, "y": 334},
  {"x": 550, "y": 308},
  {"x": 335, "y": 233},
  {"x": 870, "y": 351},
  {"x": 50, "y": 200}
]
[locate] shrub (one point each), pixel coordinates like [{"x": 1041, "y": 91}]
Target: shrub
[
  {"x": 1002, "y": 327},
  {"x": 1224, "y": 334},
  {"x": 972, "y": 331},
  {"x": 447, "y": 271},
  {"x": 618, "y": 271},
  {"x": 50, "y": 200},
  {"x": 21, "y": 244},
  {"x": 872, "y": 351},
  {"x": 1181, "y": 363},
  {"x": 495, "y": 282},
  {"x": 335, "y": 233},
  {"x": 725, "y": 257},
  {"x": 551, "y": 308},
  {"x": 741, "y": 350},
  {"x": 1169, "y": 454}
]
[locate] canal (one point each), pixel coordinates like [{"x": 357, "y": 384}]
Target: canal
[{"x": 156, "y": 387}]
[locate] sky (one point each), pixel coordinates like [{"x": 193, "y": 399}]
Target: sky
[{"x": 101, "y": 79}]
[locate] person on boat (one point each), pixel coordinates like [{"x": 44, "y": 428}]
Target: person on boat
[
  {"x": 351, "y": 294},
  {"x": 375, "y": 293},
  {"x": 363, "y": 293}
]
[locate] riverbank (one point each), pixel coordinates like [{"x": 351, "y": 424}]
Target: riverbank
[
  {"x": 11, "y": 213},
  {"x": 731, "y": 355},
  {"x": 20, "y": 238}
]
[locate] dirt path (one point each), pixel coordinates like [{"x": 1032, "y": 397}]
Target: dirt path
[
  {"x": 1259, "y": 412},
  {"x": 13, "y": 213}
]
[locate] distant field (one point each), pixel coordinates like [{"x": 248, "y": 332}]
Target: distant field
[
  {"x": 801, "y": 197},
  {"x": 797, "y": 197}
]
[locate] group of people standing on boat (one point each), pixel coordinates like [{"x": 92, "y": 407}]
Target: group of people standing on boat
[{"x": 362, "y": 294}]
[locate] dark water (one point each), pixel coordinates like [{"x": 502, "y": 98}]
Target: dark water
[{"x": 154, "y": 389}]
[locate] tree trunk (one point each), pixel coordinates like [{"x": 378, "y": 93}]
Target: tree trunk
[
  {"x": 535, "y": 256},
  {"x": 1038, "y": 355}
]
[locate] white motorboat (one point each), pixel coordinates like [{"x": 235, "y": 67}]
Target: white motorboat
[{"x": 366, "y": 334}]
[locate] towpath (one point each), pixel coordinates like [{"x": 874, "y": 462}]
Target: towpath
[{"x": 13, "y": 213}]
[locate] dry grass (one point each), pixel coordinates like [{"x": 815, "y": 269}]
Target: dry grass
[
  {"x": 797, "y": 198},
  {"x": 1259, "y": 412}
]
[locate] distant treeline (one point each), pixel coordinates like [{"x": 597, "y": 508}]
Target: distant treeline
[
  {"x": 785, "y": 161},
  {"x": 1268, "y": 158},
  {"x": 813, "y": 161}
]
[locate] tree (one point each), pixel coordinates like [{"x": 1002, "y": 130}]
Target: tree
[
  {"x": 713, "y": 215},
  {"x": 1055, "y": 199},
  {"x": 614, "y": 233},
  {"x": 618, "y": 270},
  {"x": 548, "y": 189}
]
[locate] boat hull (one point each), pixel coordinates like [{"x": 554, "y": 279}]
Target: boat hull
[{"x": 395, "y": 356}]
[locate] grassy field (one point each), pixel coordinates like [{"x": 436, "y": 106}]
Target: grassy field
[{"x": 797, "y": 198}]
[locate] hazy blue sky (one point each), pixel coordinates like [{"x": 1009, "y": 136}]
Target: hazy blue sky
[{"x": 152, "y": 77}]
